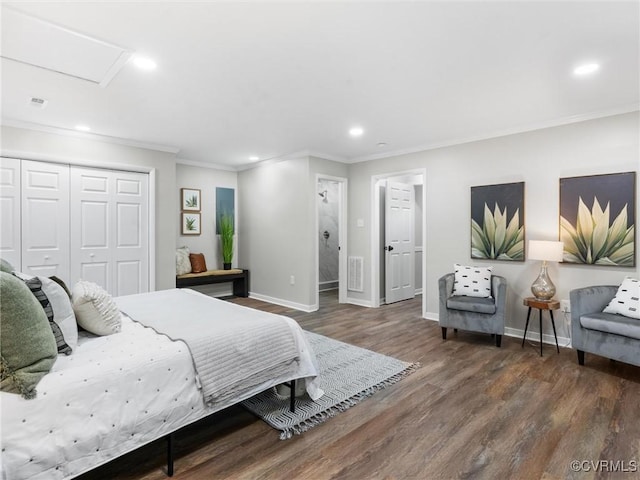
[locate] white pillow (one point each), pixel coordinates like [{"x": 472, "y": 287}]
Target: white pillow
[
  {"x": 627, "y": 299},
  {"x": 63, "y": 314},
  {"x": 472, "y": 281},
  {"x": 183, "y": 264},
  {"x": 95, "y": 310}
]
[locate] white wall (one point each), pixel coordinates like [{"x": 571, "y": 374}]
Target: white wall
[
  {"x": 37, "y": 145},
  {"x": 538, "y": 158}
]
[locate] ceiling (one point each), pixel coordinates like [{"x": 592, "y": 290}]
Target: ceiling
[{"x": 267, "y": 80}]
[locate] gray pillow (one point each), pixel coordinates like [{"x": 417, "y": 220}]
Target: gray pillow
[{"x": 27, "y": 344}]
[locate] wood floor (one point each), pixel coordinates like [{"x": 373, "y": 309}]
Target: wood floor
[{"x": 472, "y": 411}]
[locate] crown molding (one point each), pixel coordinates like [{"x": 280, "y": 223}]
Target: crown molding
[
  {"x": 88, "y": 136},
  {"x": 212, "y": 166},
  {"x": 628, "y": 108}
]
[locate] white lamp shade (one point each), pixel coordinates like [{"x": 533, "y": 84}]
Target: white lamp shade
[{"x": 545, "y": 250}]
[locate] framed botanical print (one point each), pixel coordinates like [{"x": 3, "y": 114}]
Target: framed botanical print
[
  {"x": 190, "y": 223},
  {"x": 597, "y": 219},
  {"x": 497, "y": 222},
  {"x": 190, "y": 198}
]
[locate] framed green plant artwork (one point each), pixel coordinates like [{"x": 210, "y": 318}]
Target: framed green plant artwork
[
  {"x": 190, "y": 199},
  {"x": 497, "y": 222},
  {"x": 190, "y": 223},
  {"x": 597, "y": 219}
]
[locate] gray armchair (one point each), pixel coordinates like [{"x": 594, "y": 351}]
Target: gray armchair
[
  {"x": 475, "y": 314},
  {"x": 607, "y": 334}
]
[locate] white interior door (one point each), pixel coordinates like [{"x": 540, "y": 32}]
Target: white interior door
[
  {"x": 10, "y": 227},
  {"x": 399, "y": 242},
  {"x": 45, "y": 219},
  {"x": 109, "y": 229}
]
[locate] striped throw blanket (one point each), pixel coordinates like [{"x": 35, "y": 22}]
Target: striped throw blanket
[{"x": 234, "y": 348}]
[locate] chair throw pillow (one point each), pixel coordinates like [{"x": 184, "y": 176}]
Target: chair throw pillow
[
  {"x": 627, "y": 299},
  {"x": 183, "y": 265},
  {"x": 95, "y": 310},
  {"x": 27, "y": 344},
  {"x": 198, "y": 265},
  {"x": 472, "y": 281}
]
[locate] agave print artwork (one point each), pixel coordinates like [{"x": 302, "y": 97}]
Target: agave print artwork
[
  {"x": 190, "y": 199},
  {"x": 597, "y": 219},
  {"x": 497, "y": 221}
]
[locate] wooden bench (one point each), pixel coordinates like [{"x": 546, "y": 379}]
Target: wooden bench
[{"x": 239, "y": 277}]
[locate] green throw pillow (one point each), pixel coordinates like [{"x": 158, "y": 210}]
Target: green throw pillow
[
  {"x": 5, "y": 266},
  {"x": 27, "y": 345}
]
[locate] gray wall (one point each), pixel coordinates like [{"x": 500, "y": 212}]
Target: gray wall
[
  {"x": 277, "y": 208},
  {"x": 206, "y": 180},
  {"x": 538, "y": 158},
  {"x": 36, "y": 145}
]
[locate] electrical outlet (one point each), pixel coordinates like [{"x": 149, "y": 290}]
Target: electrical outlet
[
  {"x": 565, "y": 306},
  {"x": 292, "y": 280}
]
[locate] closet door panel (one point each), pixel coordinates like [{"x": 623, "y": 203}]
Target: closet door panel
[
  {"x": 91, "y": 207},
  {"x": 109, "y": 229},
  {"x": 45, "y": 219},
  {"x": 10, "y": 228},
  {"x": 131, "y": 236}
]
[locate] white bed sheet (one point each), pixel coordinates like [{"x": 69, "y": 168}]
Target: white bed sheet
[{"x": 111, "y": 396}]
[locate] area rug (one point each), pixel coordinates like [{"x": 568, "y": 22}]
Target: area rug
[{"x": 348, "y": 375}]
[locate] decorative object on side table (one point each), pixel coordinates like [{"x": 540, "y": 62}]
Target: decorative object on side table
[
  {"x": 543, "y": 288},
  {"x": 226, "y": 240}
]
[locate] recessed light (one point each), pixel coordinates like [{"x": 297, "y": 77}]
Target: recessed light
[
  {"x": 356, "y": 131},
  {"x": 83, "y": 128},
  {"x": 144, "y": 63},
  {"x": 253, "y": 158},
  {"x": 382, "y": 144},
  {"x": 586, "y": 69}
]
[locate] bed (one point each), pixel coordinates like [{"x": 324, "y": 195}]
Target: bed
[{"x": 116, "y": 393}]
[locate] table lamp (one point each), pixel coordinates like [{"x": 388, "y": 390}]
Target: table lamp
[{"x": 543, "y": 288}]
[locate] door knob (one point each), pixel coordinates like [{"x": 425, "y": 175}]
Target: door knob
[{"x": 389, "y": 248}]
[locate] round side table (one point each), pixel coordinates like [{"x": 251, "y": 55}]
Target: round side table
[{"x": 541, "y": 305}]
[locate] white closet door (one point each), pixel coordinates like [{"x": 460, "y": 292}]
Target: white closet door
[
  {"x": 10, "y": 235},
  {"x": 131, "y": 233},
  {"x": 90, "y": 226},
  {"x": 45, "y": 219},
  {"x": 110, "y": 229}
]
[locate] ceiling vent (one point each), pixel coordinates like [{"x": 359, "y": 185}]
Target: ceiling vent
[{"x": 38, "y": 102}]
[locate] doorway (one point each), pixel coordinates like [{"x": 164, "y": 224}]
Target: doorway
[
  {"x": 331, "y": 238},
  {"x": 397, "y": 275}
]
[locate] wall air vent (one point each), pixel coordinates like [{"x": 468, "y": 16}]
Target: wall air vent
[
  {"x": 355, "y": 274},
  {"x": 38, "y": 102}
]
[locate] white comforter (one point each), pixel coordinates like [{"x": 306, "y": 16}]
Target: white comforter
[{"x": 112, "y": 395}]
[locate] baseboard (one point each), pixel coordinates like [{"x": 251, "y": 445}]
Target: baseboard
[
  {"x": 518, "y": 333},
  {"x": 359, "y": 302},
  {"x": 283, "y": 303},
  {"x": 418, "y": 291},
  {"x": 564, "y": 342}
]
